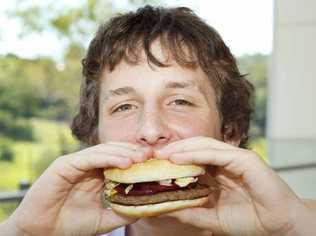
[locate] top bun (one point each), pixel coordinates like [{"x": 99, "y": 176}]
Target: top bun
[{"x": 152, "y": 170}]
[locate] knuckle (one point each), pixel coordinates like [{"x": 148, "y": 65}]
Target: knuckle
[
  {"x": 248, "y": 153},
  {"x": 61, "y": 160},
  {"x": 250, "y": 156},
  {"x": 98, "y": 147},
  {"x": 253, "y": 155}
]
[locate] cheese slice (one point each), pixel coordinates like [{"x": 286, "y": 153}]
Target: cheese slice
[
  {"x": 128, "y": 188},
  {"x": 166, "y": 182},
  {"x": 185, "y": 181}
]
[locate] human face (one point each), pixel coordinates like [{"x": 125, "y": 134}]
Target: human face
[{"x": 154, "y": 106}]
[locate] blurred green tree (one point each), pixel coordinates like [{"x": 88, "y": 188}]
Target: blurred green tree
[
  {"x": 73, "y": 24},
  {"x": 255, "y": 66},
  {"x": 56, "y": 82},
  {"x": 47, "y": 88},
  {"x": 6, "y": 152}
]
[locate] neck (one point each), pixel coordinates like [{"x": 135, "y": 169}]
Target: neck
[{"x": 162, "y": 225}]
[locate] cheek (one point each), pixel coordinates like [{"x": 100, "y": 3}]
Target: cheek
[
  {"x": 189, "y": 126},
  {"x": 116, "y": 130},
  {"x": 180, "y": 127}
]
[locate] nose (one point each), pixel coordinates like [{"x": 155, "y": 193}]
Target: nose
[{"x": 153, "y": 130}]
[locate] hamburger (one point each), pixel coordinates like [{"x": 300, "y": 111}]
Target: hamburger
[{"x": 154, "y": 187}]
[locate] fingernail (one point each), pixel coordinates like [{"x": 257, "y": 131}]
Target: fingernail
[
  {"x": 174, "y": 159},
  {"x": 148, "y": 153},
  {"x": 125, "y": 164},
  {"x": 160, "y": 154},
  {"x": 146, "y": 149},
  {"x": 141, "y": 157}
]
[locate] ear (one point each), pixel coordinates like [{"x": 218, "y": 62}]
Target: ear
[{"x": 231, "y": 135}]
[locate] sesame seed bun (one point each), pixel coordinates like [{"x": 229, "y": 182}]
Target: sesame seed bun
[{"x": 152, "y": 170}]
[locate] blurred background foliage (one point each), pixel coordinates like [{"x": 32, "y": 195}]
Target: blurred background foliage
[{"x": 38, "y": 97}]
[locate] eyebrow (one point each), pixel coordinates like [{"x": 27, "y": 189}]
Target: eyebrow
[
  {"x": 119, "y": 92},
  {"x": 182, "y": 85},
  {"x": 128, "y": 90}
]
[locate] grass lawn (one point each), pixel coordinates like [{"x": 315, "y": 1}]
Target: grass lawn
[
  {"x": 49, "y": 136},
  {"x": 31, "y": 158}
]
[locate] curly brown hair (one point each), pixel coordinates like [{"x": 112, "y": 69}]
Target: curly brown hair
[{"x": 190, "y": 42}]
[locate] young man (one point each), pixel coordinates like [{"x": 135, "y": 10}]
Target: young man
[{"x": 160, "y": 83}]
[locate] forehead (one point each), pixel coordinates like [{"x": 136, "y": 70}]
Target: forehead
[
  {"x": 150, "y": 82},
  {"x": 145, "y": 73}
]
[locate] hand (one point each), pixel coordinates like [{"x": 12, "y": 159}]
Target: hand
[
  {"x": 253, "y": 199},
  {"x": 65, "y": 200}
]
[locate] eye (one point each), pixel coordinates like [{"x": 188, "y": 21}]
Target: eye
[
  {"x": 124, "y": 108},
  {"x": 182, "y": 102}
]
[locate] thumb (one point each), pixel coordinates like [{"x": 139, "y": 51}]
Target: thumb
[
  {"x": 110, "y": 221},
  {"x": 204, "y": 218}
]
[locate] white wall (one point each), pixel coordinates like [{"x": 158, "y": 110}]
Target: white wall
[{"x": 292, "y": 93}]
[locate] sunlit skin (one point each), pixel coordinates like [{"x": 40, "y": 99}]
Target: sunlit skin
[
  {"x": 153, "y": 106},
  {"x": 156, "y": 106},
  {"x": 164, "y": 113},
  {"x": 161, "y": 108}
]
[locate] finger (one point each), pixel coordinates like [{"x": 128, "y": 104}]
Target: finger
[
  {"x": 249, "y": 168},
  {"x": 238, "y": 163},
  {"x": 191, "y": 144},
  {"x": 204, "y": 157},
  {"x": 71, "y": 168},
  {"x": 200, "y": 217},
  {"x": 148, "y": 151},
  {"x": 233, "y": 189},
  {"x": 207, "y": 233},
  {"x": 138, "y": 154},
  {"x": 68, "y": 170},
  {"x": 84, "y": 163},
  {"x": 125, "y": 144},
  {"x": 145, "y": 150},
  {"x": 110, "y": 221}
]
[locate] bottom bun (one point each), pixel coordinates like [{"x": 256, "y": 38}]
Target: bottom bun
[{"x": 157, "y": 209}]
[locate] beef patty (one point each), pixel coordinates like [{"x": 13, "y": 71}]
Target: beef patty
[{"x": 183, "y": 194}]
